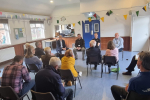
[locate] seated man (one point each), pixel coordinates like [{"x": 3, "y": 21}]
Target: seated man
[
  {"x": 60, "y": 45},
  {"x": 92, "y": 52},
  {"x": 97, "y": 40},
  {"x": 79, "y": 46},
  {"x": 39, "y": 50},
  {"x": 14, "y": 74},
  {"x": 118, "y": 41},
  {"x": 139, "y": 84},
  {"x": 48, "y": 80}
]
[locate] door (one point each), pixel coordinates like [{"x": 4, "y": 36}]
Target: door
[
  {"x": 89, "y": 28},
  {"x": 140, "y": 36}
]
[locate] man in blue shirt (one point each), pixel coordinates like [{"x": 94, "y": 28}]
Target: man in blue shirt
[
  {"x": 118, "y": 41},
  {"x": 139, "y": 84}
]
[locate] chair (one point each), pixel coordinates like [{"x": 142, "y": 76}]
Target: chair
[
  {"x": 92, "y": 60},
  {"x": 67, "y": 75},
  {"x": 7, "y": 93},
  {"x": 32, "y": 68},
  {"x": 135, "y": 96},
  {"x": 43, "y": 96},
  {"x": 110, "y": 60}
]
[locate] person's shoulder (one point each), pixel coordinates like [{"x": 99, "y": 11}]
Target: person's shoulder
[
  {"x": 116, "y": 49},
  {"x": 134, "y": 79}
]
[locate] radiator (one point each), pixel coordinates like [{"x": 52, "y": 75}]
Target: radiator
[{"x": 7, "y": 54}]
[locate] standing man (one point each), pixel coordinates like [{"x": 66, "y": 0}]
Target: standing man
[
  {"x": 60, "y": 45},
  {"x": 97, "y": 40},
  {"x": 79, "y": 46},
  {"x": 118, "y": 41}
]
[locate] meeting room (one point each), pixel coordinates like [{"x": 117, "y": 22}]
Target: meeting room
[{"x": 74, "y": 49}]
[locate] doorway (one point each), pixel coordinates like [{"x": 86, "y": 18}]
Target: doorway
[
  {"x": 140, "y": 35},
  {"x": 89, "y": 28}
]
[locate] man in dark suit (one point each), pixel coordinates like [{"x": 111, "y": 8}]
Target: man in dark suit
[
  {"x": 60, "y": 45},
  {"x": 93, "y": 52},
  {"x": 49, "y": 80}
]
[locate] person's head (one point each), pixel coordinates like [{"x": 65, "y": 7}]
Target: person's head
[
  {"x": 69, "y": 53},
  {"x": 116, "y": 35},
  {"x": 47, "y": 50},
  {"x": 30, "y": 51},
  {"x": 143, "y": 62},
  {"x": 18, "y": 60},
  {"x": 38, "y": 44},
  {"x": 60, "y": 37},
  {"x": 79, "y": 36},
  {"x": 92, "y": 43},
  {"x": 27, "y": 44},
  {"x": 96, "y": 35},
  {"x": 55, "y": 62},
  {"x": 111, "y": 45}
]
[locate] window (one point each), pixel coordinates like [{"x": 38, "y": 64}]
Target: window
[
  {"x": 87, "y": 28},
  {"x": 4, "y": 34},
  {"x": 96, "y": 27},
  {"x": 37, "y": 31}
]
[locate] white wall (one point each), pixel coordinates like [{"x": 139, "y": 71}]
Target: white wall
[
  {"x": 114, "y": 23},
  {"x": 13, "y": 23},
  {"x": 100, "y": 5}
]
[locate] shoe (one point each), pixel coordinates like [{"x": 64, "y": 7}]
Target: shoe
[
  {"x": 76, "y": 58},
  {"x": 69, "y": 83},
  {"x": 83, "y": 59},
  {"x": 127, "y": 73}
]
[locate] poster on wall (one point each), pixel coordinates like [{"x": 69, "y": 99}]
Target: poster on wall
[{"x": 19, "y": 33}]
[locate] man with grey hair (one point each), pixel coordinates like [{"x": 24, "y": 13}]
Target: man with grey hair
[
  {"x": 118, "y": 41},
  {"x": 48, "y": 80},
  {"x": 139, "y": 84},
  {"x": 93, "y": 52}
]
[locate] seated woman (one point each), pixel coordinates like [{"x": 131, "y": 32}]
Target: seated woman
[
  {"x": 68, "y": 62},
  {"x": 31, "y": 59},
  {"x": 46, "y": 58},
  {"x": 26, "y": 45},
  {"x": 111, "y": 51},
  {"x": 39, "y": 50}
]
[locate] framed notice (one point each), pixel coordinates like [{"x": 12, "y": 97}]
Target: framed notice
[{"x": 19, "y": 33}]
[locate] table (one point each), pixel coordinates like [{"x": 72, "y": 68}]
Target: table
[{"x": 50, "y": 42}]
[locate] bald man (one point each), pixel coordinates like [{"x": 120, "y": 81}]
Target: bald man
[
  {"x": 118, "y": 41},
  {"x": 60, "y": 45}
]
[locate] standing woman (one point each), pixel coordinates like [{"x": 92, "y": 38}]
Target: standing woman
[
  {"x": 31, "y": 59},
  {"x": 111, "y": 51},
  {"x": 68, "y": 62}
]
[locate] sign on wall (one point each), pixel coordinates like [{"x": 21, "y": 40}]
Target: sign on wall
[{"x": 19, "y": 33}]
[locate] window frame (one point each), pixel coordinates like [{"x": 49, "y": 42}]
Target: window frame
[
  {"x": 95, "y": 28},
  {"x": 7, "y": 30},
  {"x": 88, "y": 28},
  {"x": 36, "y": 28}
]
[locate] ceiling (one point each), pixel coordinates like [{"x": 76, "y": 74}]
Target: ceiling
[{"x": 39, "y": 7}]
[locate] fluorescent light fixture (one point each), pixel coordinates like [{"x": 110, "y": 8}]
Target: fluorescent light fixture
[
  {"x": 51, "y": 1},
  {"x": 90, "y": 14}
]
